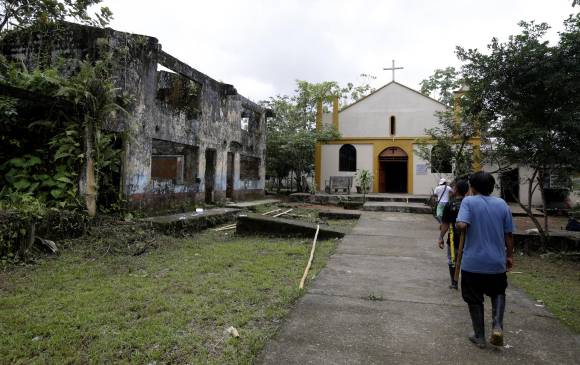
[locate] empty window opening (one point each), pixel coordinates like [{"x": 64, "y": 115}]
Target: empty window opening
[
  {"x": 179, "y": 93},
  {"x": 392, "y": 125},
  {"x": 250, "y": 120},
  {"x": 160, "y": 67},
  {"x": 210, "y": 169},
  {"x": 245, "y": 123},
  {"x": 250, "y": 168},
  {"x": 347, "y": 158}
]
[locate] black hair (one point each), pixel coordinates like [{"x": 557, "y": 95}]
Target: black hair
[
  {"x": 482, "y": 182},
  {"x": 461, "y": 186}
]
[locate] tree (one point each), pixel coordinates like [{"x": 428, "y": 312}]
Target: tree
[
  {"x": 447, "y": 147},
  {"x": 443, "y": 82},
  {"x": 16, "y": 14},
  {"x": 292, "y": 133},
  {"x": 528, "y": 93},
  {"x": 52, "y": 152}
]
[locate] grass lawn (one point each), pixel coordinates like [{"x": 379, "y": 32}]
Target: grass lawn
[
  {"x": 555, "y": 281},
  {"x": 97, "y": 303}
]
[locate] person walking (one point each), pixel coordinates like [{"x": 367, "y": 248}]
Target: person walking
[
  {"x": 442, "y": 193},
  {"x": 448, "y": 219},
  {"x": 487, "y": 255}
]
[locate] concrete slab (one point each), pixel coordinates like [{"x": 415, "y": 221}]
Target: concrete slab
[
  {"x": 192, "y": 221},
  {"x": 252, "y": 204},
  {"x": 400, "y": 207},
  {"x": 280, "y": 227},
  {"x": 417, "y": 320}
]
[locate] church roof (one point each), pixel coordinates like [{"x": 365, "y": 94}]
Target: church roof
[{"x": 386, "y": 85}]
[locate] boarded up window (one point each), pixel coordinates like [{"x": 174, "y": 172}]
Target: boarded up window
[
  {"x": 167, "y": 168},
  {"x": 249, "y": 168}
]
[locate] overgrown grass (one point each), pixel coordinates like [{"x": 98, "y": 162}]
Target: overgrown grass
[
  {"x": 172, "y": 304},
  {"x": 553, "y": 280}
]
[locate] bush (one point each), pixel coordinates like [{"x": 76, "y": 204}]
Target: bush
[{"x": 17, "y": 216}]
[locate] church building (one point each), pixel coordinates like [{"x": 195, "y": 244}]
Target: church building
[{"x": 380, "y": 133}]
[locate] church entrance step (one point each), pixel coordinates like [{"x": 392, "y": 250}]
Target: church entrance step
[
  {"x": 323, "y": 198},
  {"x": 397, "y": 198},
  {"x": 399, "y": 207}
]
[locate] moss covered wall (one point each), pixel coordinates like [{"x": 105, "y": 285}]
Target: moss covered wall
[{"x": 183, "y": 106}]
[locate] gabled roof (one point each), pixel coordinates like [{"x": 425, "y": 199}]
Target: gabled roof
[{"x": 384, "y": 86}]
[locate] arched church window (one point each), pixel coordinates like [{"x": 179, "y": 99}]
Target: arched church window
[
  {"x": 347, "y": 158},
  {"x": 392, "y": 125},
  {"x": 441, "y": 157}
]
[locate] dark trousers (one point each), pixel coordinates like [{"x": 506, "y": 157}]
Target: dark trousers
[{"x": 474, "y": 286}]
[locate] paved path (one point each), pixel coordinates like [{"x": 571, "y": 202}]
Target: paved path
[{"x": 418, "y": 321}]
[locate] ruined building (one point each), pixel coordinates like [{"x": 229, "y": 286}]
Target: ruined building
[{"x": 187, "y": 137}]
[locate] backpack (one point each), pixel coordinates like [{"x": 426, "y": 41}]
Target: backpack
[
  {"x": 453, "y": 207},
  {"x": 573, "y": 225}
]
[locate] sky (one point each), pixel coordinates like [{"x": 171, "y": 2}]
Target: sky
[{"x": 262, "y": 47}]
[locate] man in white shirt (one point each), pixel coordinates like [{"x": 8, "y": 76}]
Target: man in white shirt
[{"x": 442, "y": 193}]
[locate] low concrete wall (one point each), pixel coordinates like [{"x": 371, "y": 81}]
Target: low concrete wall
[
  {"x": 339, "y": 215},
  {"x": 558, "y": 241}
]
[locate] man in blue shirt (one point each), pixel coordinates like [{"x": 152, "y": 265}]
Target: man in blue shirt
[{"x": 487, "y": 255}]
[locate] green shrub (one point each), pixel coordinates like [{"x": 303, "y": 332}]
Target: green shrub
[{"x": 20, "y": 211}]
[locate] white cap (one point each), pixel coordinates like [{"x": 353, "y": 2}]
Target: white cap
[{"x": 442, "y": 181}]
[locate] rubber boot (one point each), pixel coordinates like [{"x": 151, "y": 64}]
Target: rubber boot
[
  {"x": 452, "y": 274},
  {"x": 498, "y": 309},
  {"x": 477, "y": 319}
]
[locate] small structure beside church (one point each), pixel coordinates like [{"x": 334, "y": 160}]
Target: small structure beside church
[
  {"x": 379, "y": 133},
  {"x": 186, "y": 138}
]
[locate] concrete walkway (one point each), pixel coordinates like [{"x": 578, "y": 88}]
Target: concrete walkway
[{"x": 417, "y": 320}]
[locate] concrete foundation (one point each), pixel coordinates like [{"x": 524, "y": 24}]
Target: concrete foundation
[
  {"x": 255, "y": 224},
  {"x": 191, "y": 222}
]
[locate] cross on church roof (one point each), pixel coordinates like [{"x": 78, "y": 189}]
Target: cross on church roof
[{"x": 393, "y": 69}]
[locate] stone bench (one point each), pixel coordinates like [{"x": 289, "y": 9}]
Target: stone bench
[{"x": 339, "y": 184}]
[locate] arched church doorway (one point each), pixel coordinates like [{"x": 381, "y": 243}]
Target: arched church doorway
[{"x": 393, "y": 170}]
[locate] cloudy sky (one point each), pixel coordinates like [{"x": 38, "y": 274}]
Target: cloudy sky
[{"x": 263, "y": 46}]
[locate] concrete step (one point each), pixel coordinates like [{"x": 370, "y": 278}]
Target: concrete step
[
  {"x": 400, "y": 207},
  {"x": 397, "y": 198},
  {"x": 323, "y": 198}
]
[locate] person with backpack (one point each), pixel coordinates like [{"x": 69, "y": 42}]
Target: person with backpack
[
  {"x": 442, "y": 193},
  {"x": 448, "y": 219},
  {"x": 487, "y": 255}
]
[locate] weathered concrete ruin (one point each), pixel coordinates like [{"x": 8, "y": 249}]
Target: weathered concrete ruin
[{"x": 187, "y": 137}]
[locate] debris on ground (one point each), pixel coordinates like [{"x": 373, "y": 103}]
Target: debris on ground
[
  {"x": 232, "y": 331},
  {"x": 45, "y": 245}
]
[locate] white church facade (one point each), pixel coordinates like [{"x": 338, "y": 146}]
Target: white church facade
[{"x": 380, "y": 133}]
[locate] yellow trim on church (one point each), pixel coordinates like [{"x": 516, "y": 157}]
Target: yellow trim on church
[{"x": 379, "y": 145}]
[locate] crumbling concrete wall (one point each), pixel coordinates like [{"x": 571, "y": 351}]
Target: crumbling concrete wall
[{"x": 181, "y": 112}]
